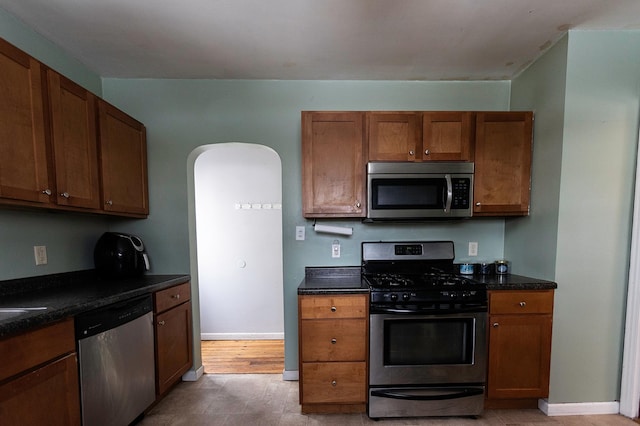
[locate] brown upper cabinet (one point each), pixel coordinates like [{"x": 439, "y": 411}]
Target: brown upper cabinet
[
  {"x": 447, "y": 136},
  {"x": 74, "y": 141},
  {"x": 502, "y": 181},
  {"x": 24, "y": 169},
  {"x": 51, "y": 155},
  {"x": 393, "y": 136},
  {"x": 123, "y": 160},
  {"x": 333, "y": 164},
  {"x": 420, "y": 136}
]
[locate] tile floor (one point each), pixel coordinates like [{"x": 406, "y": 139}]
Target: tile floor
[{"x": 265, "y": 399}]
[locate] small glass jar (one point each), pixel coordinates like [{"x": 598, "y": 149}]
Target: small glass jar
[
  {"x": 486, "y": 268},
  {"x": 466, "y": 268}
]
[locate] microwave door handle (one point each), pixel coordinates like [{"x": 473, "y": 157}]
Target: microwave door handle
[{"x": 447, "y": 207}]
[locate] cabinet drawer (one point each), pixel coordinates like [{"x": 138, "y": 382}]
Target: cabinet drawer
[
  {"x": 334, "y": 382},
  {"x": 25, "y": 351},
  {"x": 353, "y": 306},
  {"x": 521, "y": 302},
  {"x": 334, "y": 340},
  {"x": 173, "y": 296}
]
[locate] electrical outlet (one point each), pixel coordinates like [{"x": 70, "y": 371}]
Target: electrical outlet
[
  {"x": 473, "y": 248},
  {"x": 299, "y": 233},
  {"x": 40, "y": 254},
  {"x": 335, "y": 250}
]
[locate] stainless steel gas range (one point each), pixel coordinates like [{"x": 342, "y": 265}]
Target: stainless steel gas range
[{"x": 427, "y": 351}]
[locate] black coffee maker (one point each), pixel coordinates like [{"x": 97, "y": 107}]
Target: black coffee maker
[{"x": 120, "y": 255}]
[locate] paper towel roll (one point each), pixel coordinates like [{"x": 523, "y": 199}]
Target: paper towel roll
[{"x": 333, "y": 229}]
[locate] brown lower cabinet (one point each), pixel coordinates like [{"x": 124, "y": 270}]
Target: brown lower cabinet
[
  {"x": 333, "y": 337},
  {"x": 174, "y": 341},
  {"x": 520, "y": 324},
  {"x": 39, "y": 377}
]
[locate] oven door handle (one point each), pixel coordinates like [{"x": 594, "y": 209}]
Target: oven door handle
[
  {"x": 381, "y": 309},
  {"x": 433, "y": 394}
]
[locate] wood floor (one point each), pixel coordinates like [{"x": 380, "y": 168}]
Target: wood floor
[{"x": 243, "y": 356}]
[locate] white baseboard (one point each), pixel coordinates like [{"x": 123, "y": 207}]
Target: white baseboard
[
  {"x": 193, "y": 375},
  {"x": 290, "y": 375},
  {"x": 242, "y": 336},
  {"x": 578, "y": 408}
]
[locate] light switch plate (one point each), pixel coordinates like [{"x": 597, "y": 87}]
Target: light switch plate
[
  {"x": 299, "y": 233},
  {"x": 40, "y": 254},
  {"x": 473, "y": 248}
]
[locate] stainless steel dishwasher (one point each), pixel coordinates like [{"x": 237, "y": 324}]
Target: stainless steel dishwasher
[{"x": 116, "y": 362}]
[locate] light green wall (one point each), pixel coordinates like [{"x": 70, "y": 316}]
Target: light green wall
[
  {"x": 181, "y": 115},
  {"x": 588, "y": 132},
  {"x": 531, "y": 243},
  {"x": 596, "y": 197}
]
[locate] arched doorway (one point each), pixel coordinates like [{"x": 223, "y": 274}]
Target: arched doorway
[{"x": 235, "y": 221}]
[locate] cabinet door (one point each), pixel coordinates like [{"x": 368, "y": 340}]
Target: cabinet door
[
  {"x": 519, "y": 356},
  {"x": 393, "y": 136},
  {"x": 47, "y": 396},
  {"x": 123, "y": 161},
  {"x": 173, "y": 346},
  {"x": 333, "y": 167},
  {"x": 74, "y": 137},
  {"x": 24, "y": 172},
  {"x": 446, "y": 136},
  {"x": 502, "y": 180}
]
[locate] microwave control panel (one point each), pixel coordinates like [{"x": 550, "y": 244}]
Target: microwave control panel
[{"x": 461, "y": 193}]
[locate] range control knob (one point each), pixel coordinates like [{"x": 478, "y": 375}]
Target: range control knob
[
  {"x": 453, "y": 295},
  {"x": 393, "y": 297},
  {"x": 406, "y": 296}
]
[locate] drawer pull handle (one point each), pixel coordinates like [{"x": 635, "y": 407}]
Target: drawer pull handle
[
  {"x": 333, "y": 309},
  {"x": 176, "y": 296},
  {"x": 334, "y": 341},
  {"x": 523, "y": 304},
  {"x": 495, "y": 325},
  {"x": 334, "y": 383},
  {"x": 161, "y": 323}
]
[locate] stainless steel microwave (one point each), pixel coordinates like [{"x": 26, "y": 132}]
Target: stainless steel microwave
[{"x": 419, "y": 191}]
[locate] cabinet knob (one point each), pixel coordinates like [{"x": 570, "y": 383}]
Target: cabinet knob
[
  {"x": 478, "y": 203},
  {"x": 427, "y": 152},
  {"x": 334, "y": 341},
  {"x": 523, "y": 304},
  {"x": 161, "y": 323},
  {"x": 412, "y": 152},
  {"x": 358, "y": 204},
  {"x": 64, "y": 194},
  {"x": 334, "y": 383},
  {"x": 176, "y": 296},
  {"x": 109, "y": 202},
  {"x": 46, "y": 191},
  {"x": 333, "y": 309},
  {"x": 495, "y": 325}
]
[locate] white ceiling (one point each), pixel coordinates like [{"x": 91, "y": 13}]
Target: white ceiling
[{"x": 315, "y": 39}]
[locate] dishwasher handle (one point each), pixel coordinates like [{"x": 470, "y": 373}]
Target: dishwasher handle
[{"x": 111, "y": 316}]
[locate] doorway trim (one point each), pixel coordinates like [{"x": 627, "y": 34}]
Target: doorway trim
[{"x": 630, "y": 383}]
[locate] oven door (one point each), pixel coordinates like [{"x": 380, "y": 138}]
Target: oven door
[{"x": 439, "y": 349}]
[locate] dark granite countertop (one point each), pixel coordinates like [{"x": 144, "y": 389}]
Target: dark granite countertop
[
  {"x": 332, "y": 280},
  {"x": 69, "y": 294},
  {"x": 514, "y": 282},
  {"x": 346, "y": 279}
]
